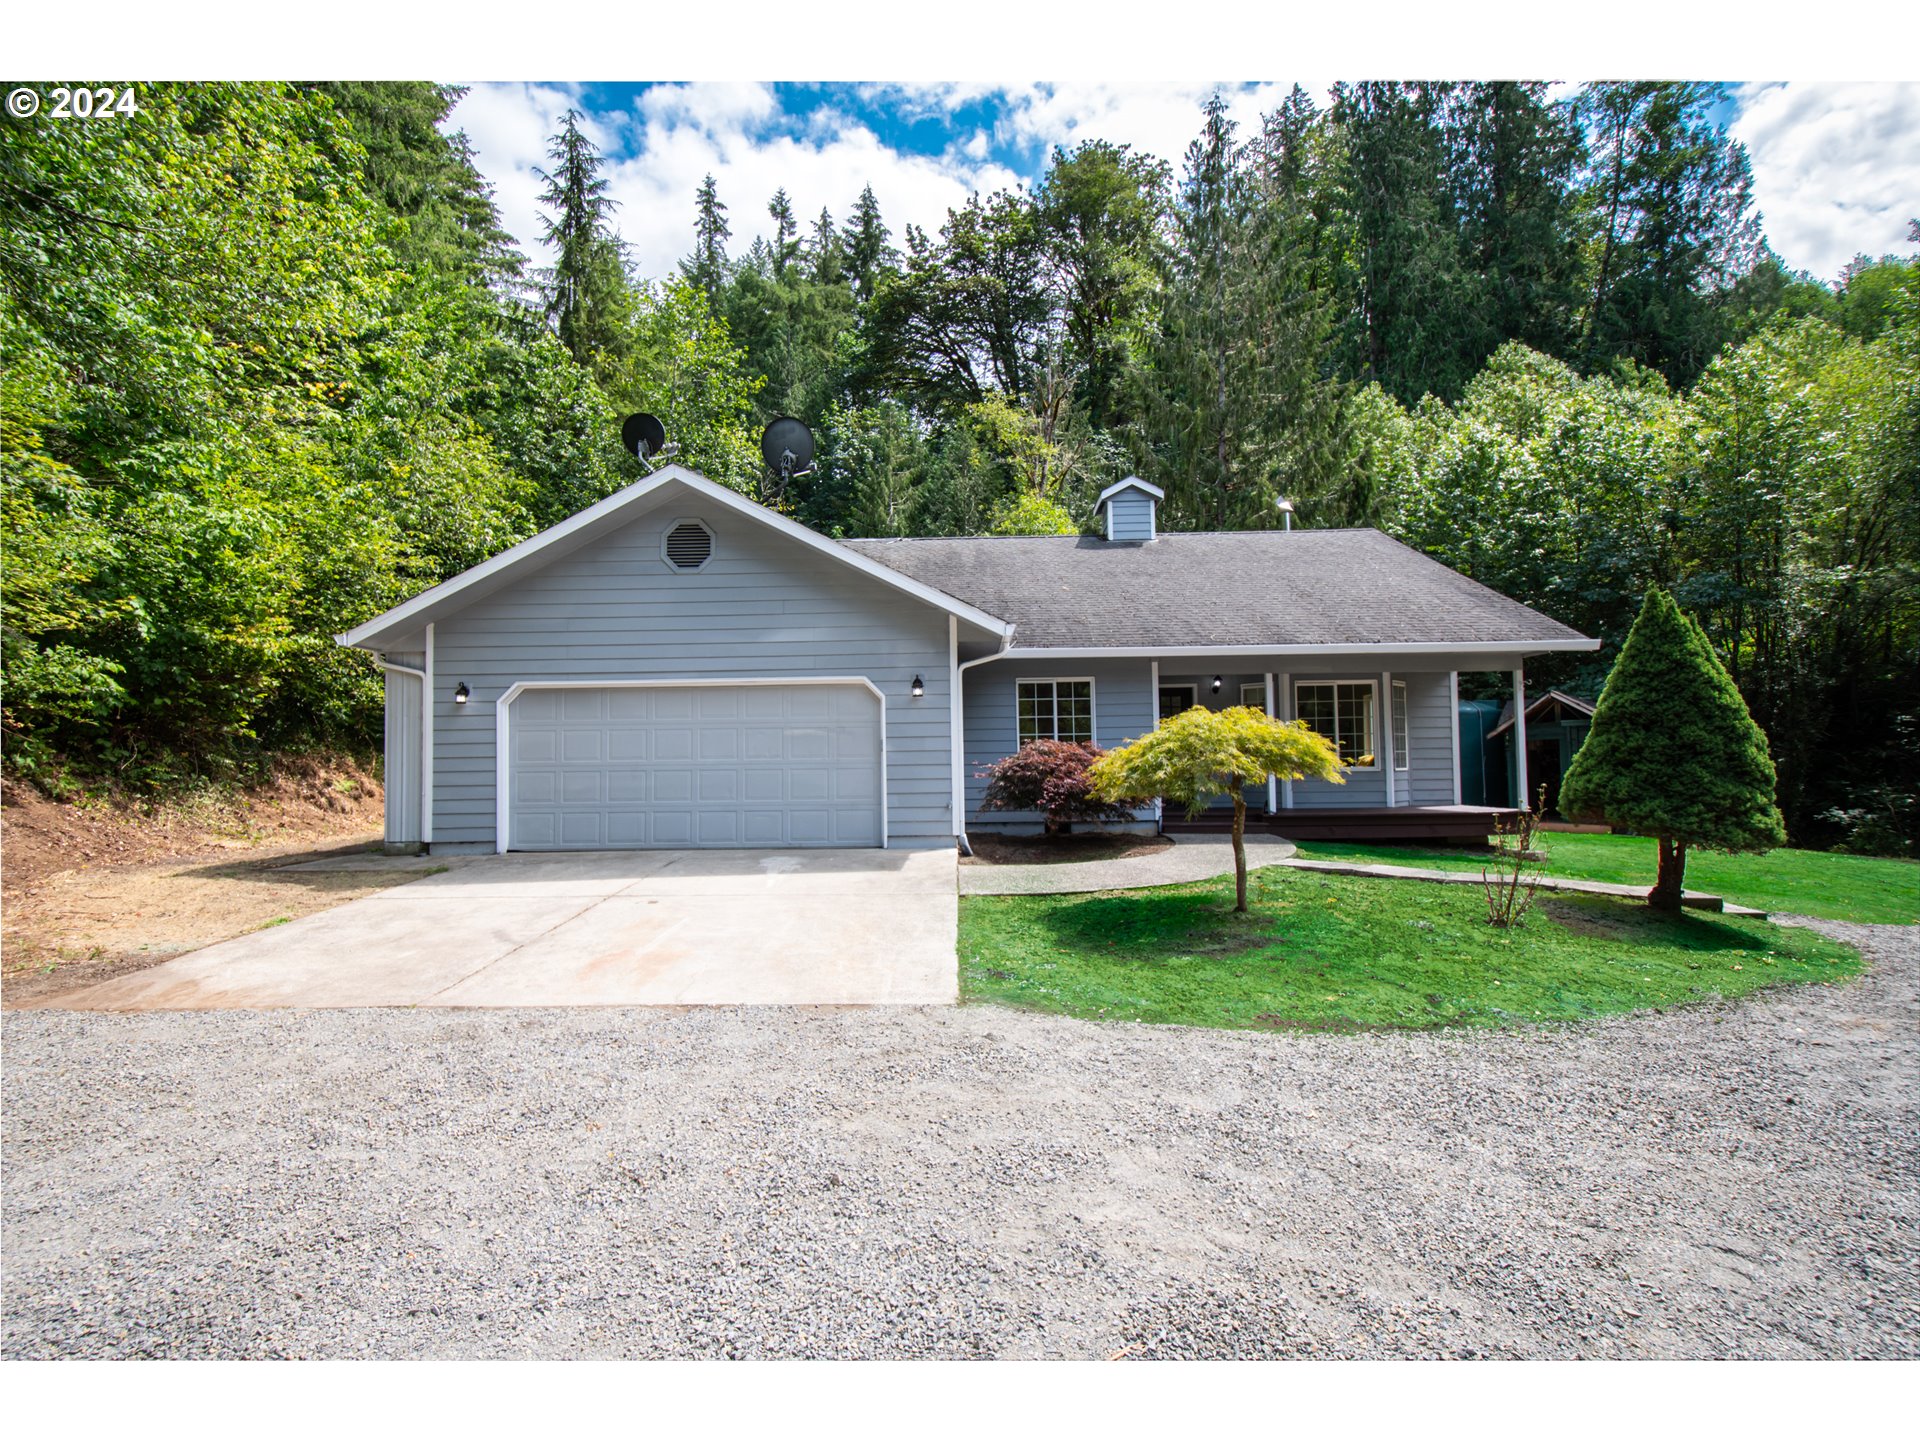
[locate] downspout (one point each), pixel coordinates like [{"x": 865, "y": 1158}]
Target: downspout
[{"x": 960, "y": 668}]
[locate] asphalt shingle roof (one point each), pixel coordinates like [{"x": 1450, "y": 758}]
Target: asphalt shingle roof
[{"x": 1259, "y": 587}]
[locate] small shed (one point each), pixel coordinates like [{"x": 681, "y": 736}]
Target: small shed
[{"x": 1557, "y": 726}]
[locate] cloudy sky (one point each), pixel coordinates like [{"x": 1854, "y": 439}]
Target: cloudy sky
[{"x": 1836, "y": 168}]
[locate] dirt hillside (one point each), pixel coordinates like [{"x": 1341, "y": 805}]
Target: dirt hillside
[{"x": 94, "y": 889}]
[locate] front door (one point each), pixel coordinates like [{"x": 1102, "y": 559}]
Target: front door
[{"x": 1175, "y": 698}]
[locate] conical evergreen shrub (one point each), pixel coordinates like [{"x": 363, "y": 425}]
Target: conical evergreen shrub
[{"x": 1673, "y": 752}]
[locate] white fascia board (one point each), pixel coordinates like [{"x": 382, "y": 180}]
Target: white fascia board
[
  {"x": 1197, "y": 652},
  {"x": 1132, "y": 482},
  {"x": 446, "y": 590}
]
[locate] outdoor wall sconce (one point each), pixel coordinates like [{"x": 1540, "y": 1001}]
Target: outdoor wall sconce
[
  {"x": 1217, "y": 683},
  {"x": 919, "y": 687},
  {"x": 461, "y": 693}
]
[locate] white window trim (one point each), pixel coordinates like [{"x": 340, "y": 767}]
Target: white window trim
[
  {"x": 673, "y": 525},
  {"x": 1093, "y": 704},
  {"x": 1400, "y": 705},
  {"x": 1373, "y": 738},
  {"x": 1259, "y": 702},
  {"x": 1193, "y": 696}
]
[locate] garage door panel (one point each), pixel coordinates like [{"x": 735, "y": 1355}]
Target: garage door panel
[
  {"x": 582, "y": 747},
  {"x": 626, "y": 828},
  {"x": 672, "y": 704},
  {"x": 539, "y": 747},
  {"x": 536, "y": 787},
  {"x": 583, "y": 827},
  {"x": 582, "y": 787},
  {"x": 695, "y": 766},
  {"x": 809, "y": 827},
  {"x": 812, "y": 745}
]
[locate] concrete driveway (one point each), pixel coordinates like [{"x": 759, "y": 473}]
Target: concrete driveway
[{"x": 708, "y": 927}]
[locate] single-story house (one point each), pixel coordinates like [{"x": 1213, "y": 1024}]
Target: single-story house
[{"x": 679, "y": 666}]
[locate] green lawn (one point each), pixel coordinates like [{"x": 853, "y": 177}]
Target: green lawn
[
  {"x": 1334, "y": 952},
  {"x": 1799, "y": 882}
]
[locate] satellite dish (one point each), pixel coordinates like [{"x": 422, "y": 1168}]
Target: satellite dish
[
  {"x": 787, "y": 447},
  {"x": 643, "y": 435}
]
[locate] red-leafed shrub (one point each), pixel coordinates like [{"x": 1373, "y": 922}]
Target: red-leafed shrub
[{"x": 1050, "y": 776}]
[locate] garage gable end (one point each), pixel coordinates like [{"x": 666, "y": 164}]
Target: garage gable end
[
  {"x": 665, "y": 488},
  {"x": 692, "y": 678}
]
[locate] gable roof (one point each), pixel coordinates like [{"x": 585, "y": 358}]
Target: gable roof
[
  {"x": 1252, "y": 590},
  {"x": 1583, "y": 708},
  {"x": 609, "y": 514},
  {"x": 1132, "y": 482}
]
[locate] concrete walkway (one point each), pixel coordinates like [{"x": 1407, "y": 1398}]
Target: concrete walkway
[
  {"x": 656, "y": 927},
  {"x": 1192, "y": 857},
  {"x": 1693, "y": 899}
]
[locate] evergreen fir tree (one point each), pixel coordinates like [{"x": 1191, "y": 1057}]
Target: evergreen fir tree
[
  {"x": 868, "y": 253},
  {"x": 707, "y": 267},
  {"x": 785, "y": 230},
  {"x": 826, "y": 252},
  {"x": 1673, "y": 752},
  {"x": 585, "y": 289}
]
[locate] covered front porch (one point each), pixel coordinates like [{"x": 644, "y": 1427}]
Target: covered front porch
[
  {"x": 1397, "y": 731},
  {"x": 1393, "y": 714}
]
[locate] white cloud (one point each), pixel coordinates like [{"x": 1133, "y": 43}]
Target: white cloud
[
  {"x": 1836, "y": 170},
  {"x": 672, "y": 136}
]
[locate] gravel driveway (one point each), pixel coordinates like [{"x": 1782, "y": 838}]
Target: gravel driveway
[{"x": 1738, "y": 1180}]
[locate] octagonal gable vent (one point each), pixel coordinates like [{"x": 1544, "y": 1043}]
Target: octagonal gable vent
[{"x": 689, "y": 545}]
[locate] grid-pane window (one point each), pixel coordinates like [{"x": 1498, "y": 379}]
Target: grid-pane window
[
  {"x": 1056, "y": 710},
  {"x": 1254, "y": 697},
  {"x": 1343, "y": 712},
  {"x": 1399, "y": 724}
]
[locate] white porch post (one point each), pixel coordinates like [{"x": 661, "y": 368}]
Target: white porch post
[
  {"x": 1273, "y": 784},
  {"x": 1453, "y": 728},
  {"x": 956, "y": 729},
  {"x": 1386, "y": 737},
  {"x": 1524, "y": 800},
  {"x": 1159, "y": 805},
  {"x": 426, "y": 745},
  {"x": 1286, "y": 713}
]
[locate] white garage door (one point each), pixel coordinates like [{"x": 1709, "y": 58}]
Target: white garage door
[{"x": 685, "y": 767}]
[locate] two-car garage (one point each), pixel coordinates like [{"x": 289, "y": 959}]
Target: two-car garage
[{"x": 686, "y": 766}]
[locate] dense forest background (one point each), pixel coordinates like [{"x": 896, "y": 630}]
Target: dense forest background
[{"x": 270, "y": 365}]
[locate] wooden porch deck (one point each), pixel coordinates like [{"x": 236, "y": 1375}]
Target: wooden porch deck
[{"x": 1364, "y": 826}]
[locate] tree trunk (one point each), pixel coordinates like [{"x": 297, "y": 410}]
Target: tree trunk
[
  {"x": 1239, "y": 851},
  {"x": 1670, "y": 884}
]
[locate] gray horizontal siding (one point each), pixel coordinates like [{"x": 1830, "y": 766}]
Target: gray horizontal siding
[
  {"x": 1130, "y": 516},
  {"x": 763, "y": 608},
  {"x": 1429, "y": 779},
  {"x": 1123, "y": 710}
]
